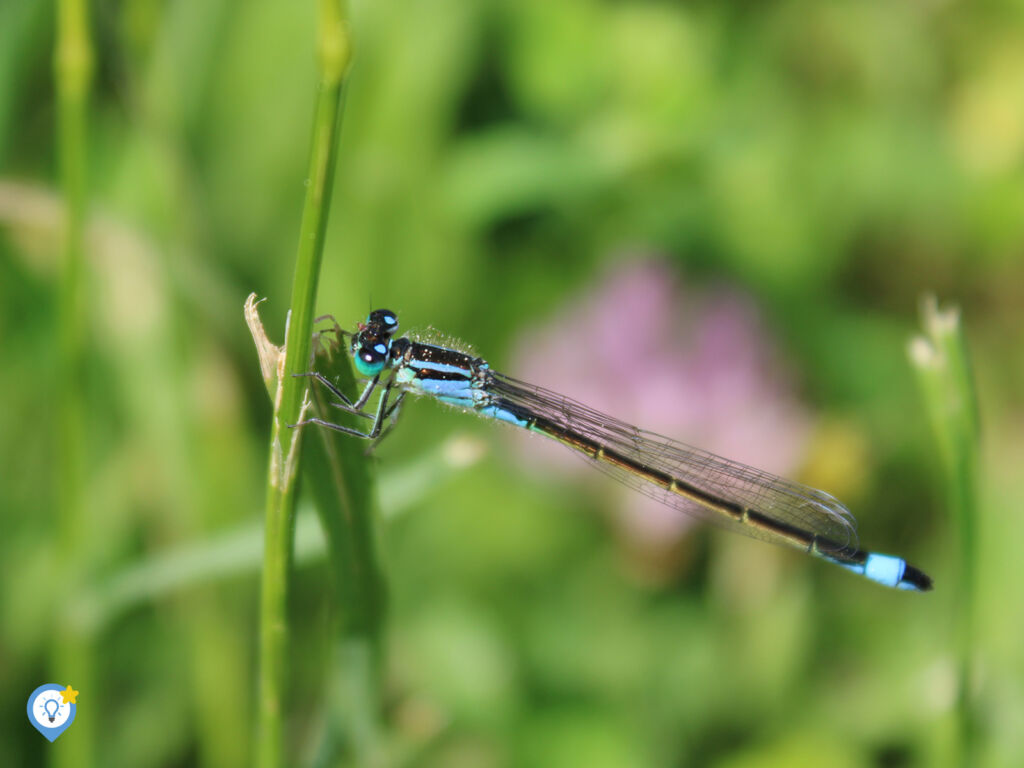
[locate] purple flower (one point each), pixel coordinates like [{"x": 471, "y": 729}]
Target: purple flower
[{"x": 693, "y": 364}]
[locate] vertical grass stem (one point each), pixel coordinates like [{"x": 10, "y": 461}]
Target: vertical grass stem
[
  {"x": 73, "y": 67},
  {"x": 333, "y": 59},
  {"x": 940, "y": 359}
]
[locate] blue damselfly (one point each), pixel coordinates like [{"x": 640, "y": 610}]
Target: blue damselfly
[{"x": 738, "y": 497}]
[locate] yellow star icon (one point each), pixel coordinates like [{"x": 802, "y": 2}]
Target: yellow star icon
[{"x": 69, "y": 694}]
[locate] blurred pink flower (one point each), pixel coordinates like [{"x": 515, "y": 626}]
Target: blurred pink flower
[{"x": 696, "y": 365}]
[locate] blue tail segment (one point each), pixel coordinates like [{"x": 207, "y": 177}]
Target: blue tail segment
[{"x": 887, "y": 570}]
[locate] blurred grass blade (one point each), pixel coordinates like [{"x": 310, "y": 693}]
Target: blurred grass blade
[
  {"x": 238, "y": 552},
  {"x": 939, "y": 357},
  {"x": 337, "y": 474},
  {"x": 73, "y": 67}
]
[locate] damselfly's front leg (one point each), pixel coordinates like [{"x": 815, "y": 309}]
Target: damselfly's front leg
[
  {"x": 334, "y": 322},
  {"x": 347, "y": 405},
  {"x": 383, "y": 412}
]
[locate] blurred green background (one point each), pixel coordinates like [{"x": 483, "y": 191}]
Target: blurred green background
[{"x": 502, "y": 164}]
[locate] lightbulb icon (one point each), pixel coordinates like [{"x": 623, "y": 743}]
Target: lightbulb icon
[{"x": 51, "y": 709}]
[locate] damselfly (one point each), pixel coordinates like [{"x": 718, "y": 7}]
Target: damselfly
[{"x": 740, "y": 498}]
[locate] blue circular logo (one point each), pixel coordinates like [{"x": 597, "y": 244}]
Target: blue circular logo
[{"x": 51, "y": 709}]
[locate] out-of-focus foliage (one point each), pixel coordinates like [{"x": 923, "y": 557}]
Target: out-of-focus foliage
[{"x": 827, "y": 162}]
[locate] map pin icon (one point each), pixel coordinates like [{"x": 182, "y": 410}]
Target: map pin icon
[{"x": 51, "y": 709}]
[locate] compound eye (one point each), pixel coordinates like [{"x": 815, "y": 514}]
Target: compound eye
[
  {"x": 371, "y": 357},
  {"x": 385, "y": 319}
]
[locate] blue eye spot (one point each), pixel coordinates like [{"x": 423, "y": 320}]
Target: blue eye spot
[
  {"x": 389, "y": 320},
  {"x": 380, "y": 348}
]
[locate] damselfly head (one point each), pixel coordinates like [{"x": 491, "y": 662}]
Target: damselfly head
[
  {"x": 370, "y": 352},
  {"x": 371, "y": 344}
]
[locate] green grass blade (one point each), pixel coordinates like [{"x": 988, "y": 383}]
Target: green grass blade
[
  {"x": 73, "y": 68},
  {"x": 238, "y": 552},
  {"x": 940, "y": 360},
  {"x": 333, "y": 59},
  {"x": 336, "y": 473}
]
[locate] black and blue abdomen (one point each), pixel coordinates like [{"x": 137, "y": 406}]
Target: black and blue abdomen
[
  {"x": 440, "y": 372},
  {"x": 452, "y": 377}
]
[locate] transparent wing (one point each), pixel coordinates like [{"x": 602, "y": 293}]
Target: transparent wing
[{"x": 787, "y": 502}]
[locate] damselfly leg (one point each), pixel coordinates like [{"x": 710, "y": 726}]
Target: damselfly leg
[
  {"x": 383, "y": 413},
  {"x": 346, "y": 404}
]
